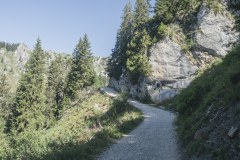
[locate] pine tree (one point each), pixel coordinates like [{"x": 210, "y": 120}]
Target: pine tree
[
  {"x": 82, "y": 73},
  {"x": 137, "y": 62},
  {"x": 29, "y": 104},
  {"x": 4, "y": 96},
  {"x": 137, "y": 59},
  {"x": 119, "y": 57},
  {"x": 141, "y": 15},
  {"x": 164, "y": 10},
  {"x": 57, "y": 73}
]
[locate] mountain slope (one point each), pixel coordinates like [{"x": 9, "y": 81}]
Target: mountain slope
[
  {"x": 13, "y": 58},
  {"x": 209, "y": 111}
]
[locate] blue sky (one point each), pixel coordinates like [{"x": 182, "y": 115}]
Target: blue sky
[{"x": 60, "y": 23}]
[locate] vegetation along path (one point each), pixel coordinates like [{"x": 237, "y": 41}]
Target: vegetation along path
[{"x": 154, "y": 138}]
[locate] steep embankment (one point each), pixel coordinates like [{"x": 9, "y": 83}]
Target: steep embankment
[
  {"x": 209, "y": 111},
  {"x": 155, "y": 138}
]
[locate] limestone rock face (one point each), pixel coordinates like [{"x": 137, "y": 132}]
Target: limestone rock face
[
  {"x": 169, "y": 63},
  {"x": 22, "y": 55},
  {"x": 100, "y": 65},
  {"x": 171, "y": 71},
  {"x": 215, "y": 33},
  {"x": 172, "y": 68}
]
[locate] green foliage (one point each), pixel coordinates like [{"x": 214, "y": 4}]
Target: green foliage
[
  {"x": 118, "y": 58},
  {"x": 137, "y": 50},
  {"x": 4, "y": 92},
  {"x": 164, "y": 10},
  {"x": 82, "y": 132},
  {"x": 183, "y": 12},
  {"x": 133, "y": 41},
  {"x": 215, "y": 5},
  {"x": 218, "y": 86},
  {"x": 141, "y": 15},
  {"x": 100, "y": 81},
  {"x": 30, "y": 110},
  {"x": 81, "y": 74},
  {"x": 162, "y": 30},
  {"x": 137, "y": 61},
  {"x": 9, "y": 46},
  {"x": 5, "y": 148},
  {"x": 167, "y": 11},
  {"x": 56, "y": 84}
]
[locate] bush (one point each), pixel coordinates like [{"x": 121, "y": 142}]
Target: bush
[{"x": 81, "y": 132}]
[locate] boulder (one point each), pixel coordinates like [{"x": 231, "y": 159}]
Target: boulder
[
  {"x": 167, "y": 94},
  {"x": 233, "y": 132}
]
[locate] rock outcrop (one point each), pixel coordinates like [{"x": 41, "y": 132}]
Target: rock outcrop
[
  {"x": 172, "y": 68},
  {"x": 100, "y": 65},
  {"x": 22, "y": 55},
  {"x": 215, "y": 33}
]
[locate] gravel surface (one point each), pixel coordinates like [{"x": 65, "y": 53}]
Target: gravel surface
[{"x": 154, "y": 139}]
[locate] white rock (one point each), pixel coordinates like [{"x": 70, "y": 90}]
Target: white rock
[
  {"x": 171, "y": 64},
  {"x": 215, "y": 32},
  {"x": 232, "y": 132}
]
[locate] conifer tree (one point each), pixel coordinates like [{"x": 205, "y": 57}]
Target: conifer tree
[
  {"x": 56, "y": 83},
  {"x": 164, "y": 10},
  {"x": 141, "y": 15},
  {"x": 137, "y": 60},
  {"x": 4, "y": 97},
  {"x": 29, "y": 104},
  {"x": 118, "y": 57},
  {"x": 81, "y": 74}
]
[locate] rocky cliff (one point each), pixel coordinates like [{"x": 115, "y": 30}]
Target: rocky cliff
[
  {"x": 12, "y": 63},
  {"x": 100, "y": 65},
  {"x": 173, "y": 68}
]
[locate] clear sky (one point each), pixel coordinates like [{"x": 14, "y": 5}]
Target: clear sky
[{"x": 60, "y": 23}]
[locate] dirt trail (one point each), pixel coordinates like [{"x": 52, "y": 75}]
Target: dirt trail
[{"x": 154, "y": 139}]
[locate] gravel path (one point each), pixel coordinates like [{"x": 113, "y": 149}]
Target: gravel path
[{"x": 154, "y": 139}]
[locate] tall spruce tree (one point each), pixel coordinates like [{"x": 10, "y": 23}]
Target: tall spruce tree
[
  {"x": 82, "y": 73},
  {"x": 137, "y": 59},
  {"x": 164, "y": 10},
  {"x": 137, "y": 62},
  {"x": 4, "y": 97},
  {"x": 30, "y": 109},
  {"x": 118, "y": 57},
  {"x": 141, "y": 15},
  {"x": 57, "y": 73}
]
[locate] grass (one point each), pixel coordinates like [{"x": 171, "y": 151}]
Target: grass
[
  {"x": 82, "y": 132},
  {"x": 216, "y": 87}
]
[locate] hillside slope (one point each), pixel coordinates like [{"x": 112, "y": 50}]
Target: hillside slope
[
  {"x": 13, "y": 58},
  {"x": 209, "y": 111}
]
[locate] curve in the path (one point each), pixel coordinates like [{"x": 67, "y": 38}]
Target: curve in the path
[{"x": 154, "y": 139}]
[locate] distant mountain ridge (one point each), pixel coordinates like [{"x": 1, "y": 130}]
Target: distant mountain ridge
[{"x": 13, "y": 58}]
